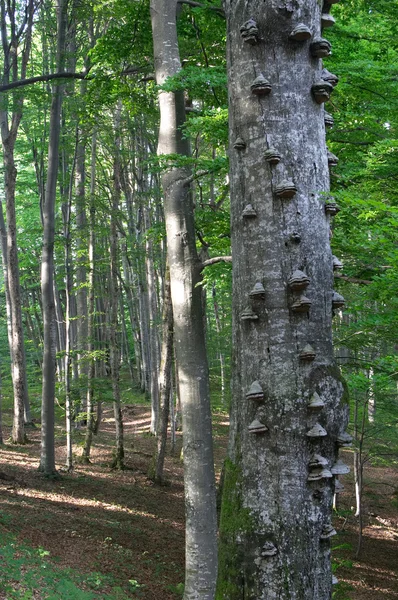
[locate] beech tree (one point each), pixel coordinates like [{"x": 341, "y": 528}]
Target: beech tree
[
  {"x": 289, "y": 406},
  {"x": 189, "y": 336}
]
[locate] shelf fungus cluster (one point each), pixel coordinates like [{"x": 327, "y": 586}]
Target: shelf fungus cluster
[
  {"x": 301, "y": 305},
  {"x": 320, "y": 48},
  {"x": 257, "y": 427},
  {"x": 249, "y": 32},
  {"x": 322, "y": 91},
  {"x": 258, "y": 291},
  {"x": 248, "y": 314},
  {"x": 272, "y": 156},
  {"x": 269, "y": 549},
  {"x": 261, "y": 86},
  {"x": 249, "y": 212},
  {"x": 255, "y": 392},
  {"x": 327, "y": 531},
  {"x": 300, "y": 33},
  {"x": 286, "y": 189},
  {"x": 298, "y": 281},
  {"x": 317, "y": 431},
  {"x": 239, "y": 144},
  {"x": 332, "y": 208},
  {"x": 316, "y": 402},
  {"x": 329, "y": 121},
  {"x": 307, "y": 353}
]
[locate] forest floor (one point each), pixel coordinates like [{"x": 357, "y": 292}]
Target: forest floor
[{"x": 123, "y": 536}]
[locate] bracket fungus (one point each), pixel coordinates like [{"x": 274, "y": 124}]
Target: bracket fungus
[
  {"x": 317, "y": 431},
  {"x": 295, "y": 237},
  {"x": 239, "y": 144},
  {"x": 255, "y": 391},
  {"x": 321, "y": 91},
  {"x": 330, "y": 77},
  {"x": 337, "y": 264},
  {"x": 329, "y": 121},
  {"x": 307, "y": 353},
  {"x": 249, "y": 32},
  {"x": 249, "y": 212},
  {"x": 301, "y": 305},
  {"x": 340, "y": 468},
  {"x": 300, "y": 33},
  {"x": 272, "y": 156},
  {"x": 261, "y": 86},
  {"x": 257, "y": 427},
  {"x": 335, "y": 581},
  {"x": 327, "y": 20},
  {"x": 332, "y": 208},
  {"x": 316, "y": 401},
  {"x": 320, "y": 48},
  {"x": 319, "y": 473},
  {"x": 344, "y": 439},
  {"x": 317, "y": 460},
  {"x": 332, "y": 159},
  {"x": 269, "y": 549},
  {"x": 298, "y": 280},
  {"x": 337, "y": 301},
  {"x": 327, "y": 531},
  {"x": 258, "y": 291},
  {"x": 248, "y": 314},
  {"x": 286, "y": 189}
]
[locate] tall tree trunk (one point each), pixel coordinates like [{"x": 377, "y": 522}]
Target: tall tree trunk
[
  {"x": 47, "y": 457},
  {"x": 275, "y": 525},
  {"x": 15, "y": 60},
  {"x": 114, "y": 333},
  {"x": 189, "y": 339},
  {"x": 90, "y": 315}
]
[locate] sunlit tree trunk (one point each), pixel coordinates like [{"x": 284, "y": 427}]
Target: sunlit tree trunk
[
  {"x": 289, "y": 400},
  {"x": 47, "y": 458},
  {"x": 189, "y": 339}
]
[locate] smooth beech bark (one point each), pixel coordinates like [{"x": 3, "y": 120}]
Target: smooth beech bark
[
  {"x": 275, "y": 524},
  {"x": 189, "y": 339},
  {"x": 47, "y": 457}
]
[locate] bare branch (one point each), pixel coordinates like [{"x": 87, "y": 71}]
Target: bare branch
[
  {"x": 216, "y": 9},
  {"x": 353, "y": 279},
  {"x": 216, "y": 259},
  {"x": 51, "y": 76}
]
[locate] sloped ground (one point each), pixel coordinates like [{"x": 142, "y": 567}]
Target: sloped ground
[{"x": 121, "y": 524}]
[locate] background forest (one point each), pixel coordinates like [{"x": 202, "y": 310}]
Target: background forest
[{"x": 109, "y": 273}]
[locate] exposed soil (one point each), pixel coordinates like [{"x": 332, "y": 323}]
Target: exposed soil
[{"x": 120, "y": 523}]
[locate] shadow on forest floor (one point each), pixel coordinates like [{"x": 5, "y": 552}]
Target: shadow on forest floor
[{"x": 120, "y": 524}]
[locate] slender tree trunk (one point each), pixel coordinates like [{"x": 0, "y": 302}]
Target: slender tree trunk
[
  {"x": 275, "y": 524},
  {"x": 15, "y": 60},
  {"x": 165, "y": 377},
  {"x": 220, "y": 352},
  {"x": 185, "y": 269},
  {"x": 47, "y": 458},
  {"x": 114, "y": 333},
  {"x": 90, "y": 316}
]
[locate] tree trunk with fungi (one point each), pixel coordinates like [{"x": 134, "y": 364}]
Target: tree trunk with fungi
[{"x": 289, "y": 400}]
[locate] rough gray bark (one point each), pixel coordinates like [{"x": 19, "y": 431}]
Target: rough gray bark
[
  {"x": 47, "y": 457},
  {"x": 275, "y": 524},
  {"x": 189, "y": 340}
]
